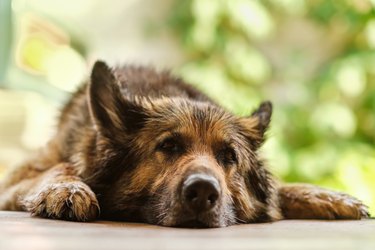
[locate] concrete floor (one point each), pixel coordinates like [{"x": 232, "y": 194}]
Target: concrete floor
[{"x": 19, "y": 231}]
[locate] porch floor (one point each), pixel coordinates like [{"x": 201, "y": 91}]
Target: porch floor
[{"x": 19, "y": 231}]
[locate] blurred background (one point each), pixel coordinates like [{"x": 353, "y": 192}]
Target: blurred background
[{"x": 315, "y": 60}]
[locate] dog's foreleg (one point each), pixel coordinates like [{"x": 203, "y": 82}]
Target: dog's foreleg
[
  {"x": 10, "y": 195},
  {"x": 58, "y": 193},
  {"x": 304, "y": 201}
]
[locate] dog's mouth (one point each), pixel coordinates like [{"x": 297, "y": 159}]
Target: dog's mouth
[{"x": 193, "y": 224}]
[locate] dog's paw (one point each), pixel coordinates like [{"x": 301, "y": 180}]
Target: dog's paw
[
  {"x": 336, "y": 205},
  {"x": 67, "y": 201},
  {"x": 312, "y": 202}
]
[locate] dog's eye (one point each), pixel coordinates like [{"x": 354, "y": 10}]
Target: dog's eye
[
  {"x": 170, "y": 145},
  {"x": 227, "y": 156}
]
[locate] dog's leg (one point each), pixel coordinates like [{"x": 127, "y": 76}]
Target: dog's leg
[
  {"x": 10, "y": 196},
  {"x": 303, "y": 201},
  {"x": 58, "y": 193}
]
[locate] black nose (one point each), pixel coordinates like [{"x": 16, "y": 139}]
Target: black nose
[{"x": 200, "y": 192}]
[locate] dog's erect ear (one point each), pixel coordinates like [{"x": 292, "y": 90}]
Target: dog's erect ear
[
  {"x": 263, "y": 116},
  {"x": 111, "y": 112},
  {"x": 257, "y": 124}
]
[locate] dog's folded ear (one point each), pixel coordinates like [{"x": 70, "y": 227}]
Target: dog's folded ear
[
  {"x": 258, "y": 122},
  {"x": 112, "y": 113}
]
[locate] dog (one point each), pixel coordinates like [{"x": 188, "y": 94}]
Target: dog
[{"x": 138, "y": 145}]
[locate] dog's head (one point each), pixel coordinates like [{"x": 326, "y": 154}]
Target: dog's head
[{"x": 176, "y": 161}]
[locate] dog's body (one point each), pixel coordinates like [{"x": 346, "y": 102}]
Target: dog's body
[{"x": 137, "y": 145}]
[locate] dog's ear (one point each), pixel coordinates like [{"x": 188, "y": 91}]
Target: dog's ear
[
  {"x": 263, "y": 116},
  {"x": 258, "y": 122},
  {"x": 112, "y": 113}
]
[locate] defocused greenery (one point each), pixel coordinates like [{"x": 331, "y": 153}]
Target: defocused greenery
[
  {"x": 315, "y": 60},
  {"x": 323, "y": 129}
]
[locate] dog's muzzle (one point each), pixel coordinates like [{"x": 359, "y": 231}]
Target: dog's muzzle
[{"x": 200, "y": 193}]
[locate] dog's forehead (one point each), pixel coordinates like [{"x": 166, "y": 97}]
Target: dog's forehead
[
  {"x": 186, "y": 112},
  {"x": 192, "y": 119}
]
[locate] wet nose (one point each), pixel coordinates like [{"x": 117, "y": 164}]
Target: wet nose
[{"x": 200, "y": 192}]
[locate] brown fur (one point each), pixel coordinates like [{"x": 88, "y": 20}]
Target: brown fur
[{"x": 128, "y": 139}]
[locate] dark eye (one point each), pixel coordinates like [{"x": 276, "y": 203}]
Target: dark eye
[
  {"x": 227, "y": 156},
  {"x": 170, "y": 146}
]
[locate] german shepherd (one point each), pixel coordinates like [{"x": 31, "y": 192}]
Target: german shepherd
[{"x": 138, "y": 145}]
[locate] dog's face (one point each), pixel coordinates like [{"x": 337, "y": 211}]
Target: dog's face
[{"x": 177, "y": 162}]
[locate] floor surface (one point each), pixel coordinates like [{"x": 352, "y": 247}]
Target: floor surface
[{"x": 19, "y": 231}]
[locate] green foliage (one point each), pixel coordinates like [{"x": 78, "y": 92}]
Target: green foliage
[{"x": 323, "y": 129}]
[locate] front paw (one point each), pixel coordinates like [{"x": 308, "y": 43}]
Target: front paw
[
  {"x": 67, "y": 201},
  {"x": 312, "y": 202},
  {"x": 337, "y": 205}
]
